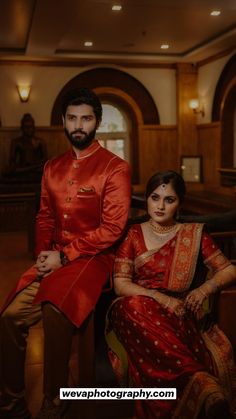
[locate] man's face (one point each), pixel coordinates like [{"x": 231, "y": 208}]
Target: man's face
[{"x": 80, "y": 125}]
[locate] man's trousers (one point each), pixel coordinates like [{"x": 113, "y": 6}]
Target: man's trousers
[{"x": 15, "y": 322}]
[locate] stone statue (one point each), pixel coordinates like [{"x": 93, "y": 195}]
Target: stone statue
[{"x": 27, "y": 153}]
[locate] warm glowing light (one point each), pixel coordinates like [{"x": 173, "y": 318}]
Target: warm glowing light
[
  {"x": 215, "y": 12},
  {"x": 194, "y": 103},
  {"x": 116, "y": 7},
  {"x": 165, "y": 46},
  {"x": 88, "y": 43},
  {"x": 24, "y": 92}
]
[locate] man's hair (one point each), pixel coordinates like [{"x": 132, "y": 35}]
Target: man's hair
[{"x": 81, "y": 96}]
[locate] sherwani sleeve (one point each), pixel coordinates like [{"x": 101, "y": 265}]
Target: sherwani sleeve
[
  {"x": 114, "y": 214},
  {"x": 45, "y": 219}
]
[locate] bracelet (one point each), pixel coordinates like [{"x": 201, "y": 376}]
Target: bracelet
[
  {"x": 202, "y": 292},
  {"x": 212, "y": 285},
  {"x": 168, "y": 302},
  {"x": 63, "y": 258},
  {"x": 152, "y": 293}
]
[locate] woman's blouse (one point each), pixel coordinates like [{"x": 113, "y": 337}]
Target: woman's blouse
[{"x": 151, "y": 268}]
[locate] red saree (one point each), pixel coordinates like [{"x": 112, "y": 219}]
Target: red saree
[{"x": 161, "y": 349}]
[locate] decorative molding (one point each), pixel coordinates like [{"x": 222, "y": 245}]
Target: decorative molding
[{"x": 83, "y": 62}]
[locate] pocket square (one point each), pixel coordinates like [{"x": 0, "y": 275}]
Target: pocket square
[{"x": 86, "y": 189}]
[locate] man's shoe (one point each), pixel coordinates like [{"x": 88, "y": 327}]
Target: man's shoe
[
  {"x": 50, "y": 410},
  {"x": 14, "y": 409}
]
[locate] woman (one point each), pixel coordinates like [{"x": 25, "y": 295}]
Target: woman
[{"x": 157, "y": 319}]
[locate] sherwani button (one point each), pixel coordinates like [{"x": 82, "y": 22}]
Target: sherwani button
[
  {"x": 65, "y": 215},
  {"x": 76, "y": 165},
  {"x": 70, "y": 182}
]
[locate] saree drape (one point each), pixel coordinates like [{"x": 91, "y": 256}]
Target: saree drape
[{"x": 149, "y": 346}]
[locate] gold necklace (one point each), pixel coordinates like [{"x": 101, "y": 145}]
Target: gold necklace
[{"x": 157, "y": 228}]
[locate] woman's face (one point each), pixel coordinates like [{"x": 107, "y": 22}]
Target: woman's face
[{"x": 162, "y": 204}]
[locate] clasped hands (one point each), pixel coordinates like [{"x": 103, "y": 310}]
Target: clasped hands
[
  {"x": 193, "y": 302},
  {"x": 47, "y": 262}
]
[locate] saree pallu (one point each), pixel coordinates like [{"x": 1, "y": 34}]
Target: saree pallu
[{"x": 149, "y": 346}]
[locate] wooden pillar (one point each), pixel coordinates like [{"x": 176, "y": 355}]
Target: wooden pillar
[{"x": 186, "y": 89}]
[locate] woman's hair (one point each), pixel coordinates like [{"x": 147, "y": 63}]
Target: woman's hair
[
  {"x": 82, "y": 96},
  {"x": 166, "y": 177}
]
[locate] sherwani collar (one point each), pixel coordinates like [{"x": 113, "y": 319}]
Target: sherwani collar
[{"x": 87, "y": 152}]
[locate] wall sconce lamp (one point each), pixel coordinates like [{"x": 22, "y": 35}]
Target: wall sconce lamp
[
  {"x": 24, "y": 92},
  {"x": 196, "y": 107}
]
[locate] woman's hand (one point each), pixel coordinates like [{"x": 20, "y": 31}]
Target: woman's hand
[
  {"x": 47, "y": 262},
  {"x": 173, "y": 304},
  {"x": 194, "y": 301},
  {"x": 177, "y": 306}
]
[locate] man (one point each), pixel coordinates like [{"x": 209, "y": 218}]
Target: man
[
  {"x": 85, "y": 200},
  {"x": 28, "y": 152}
]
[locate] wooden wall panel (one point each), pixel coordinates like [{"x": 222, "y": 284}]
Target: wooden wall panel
[
  {"x": 54, "y": 137},
  {"x": 209, "y": 148},
  {"x": 157, "y": 150},
  {"x": 186, "y": 85}
]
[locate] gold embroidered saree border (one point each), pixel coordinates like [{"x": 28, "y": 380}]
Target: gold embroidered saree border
[
  {"x": 222, "y": 352},
  {"x": 144, "y": 258},
  {"x": 185, "y": 257},
  {"x": 200, "y": 385}
]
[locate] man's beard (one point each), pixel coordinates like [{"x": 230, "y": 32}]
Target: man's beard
[{"x": 80, "y": 142}]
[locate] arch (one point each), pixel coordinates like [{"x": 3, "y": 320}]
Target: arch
[
  {"x": 227, "y": 127},
  {"x": 110, "y": 77},
  {"x": 134, "y": 117},
  {"x": 125, "y": 92},
  {"x": 223, "y": 110},
  {"x": 227, "y": 75}
]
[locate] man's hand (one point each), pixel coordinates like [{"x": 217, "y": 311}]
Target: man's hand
[{"x": 47, "y": 262}]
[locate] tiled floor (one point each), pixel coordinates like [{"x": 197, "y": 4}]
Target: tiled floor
[{"x": 14, "y": 259}]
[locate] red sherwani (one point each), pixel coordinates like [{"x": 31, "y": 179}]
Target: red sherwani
[{"x": 84, "y": 209}]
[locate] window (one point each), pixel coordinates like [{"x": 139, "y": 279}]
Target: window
[{"x": 113, "y": 133}]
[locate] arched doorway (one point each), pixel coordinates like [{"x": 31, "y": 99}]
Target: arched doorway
[
  {"x": 120, "y": 90},
  {"x": 224, "y": 110},
  {"x": 228, "y": 133}
]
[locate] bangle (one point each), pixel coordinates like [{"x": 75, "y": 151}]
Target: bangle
[
  {"x": 152, "y": 293},
  {"x": 203, "y": 293},
  {"x": 212, "y": 285},
  {"x": 64, "y": 259},
  {"x": 168, "y": 302}
]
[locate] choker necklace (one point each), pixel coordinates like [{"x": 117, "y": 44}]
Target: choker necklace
[{"x": 157, "y": 228}]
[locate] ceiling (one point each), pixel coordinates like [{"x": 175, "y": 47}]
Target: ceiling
[{"x": 57, "y": 29}]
